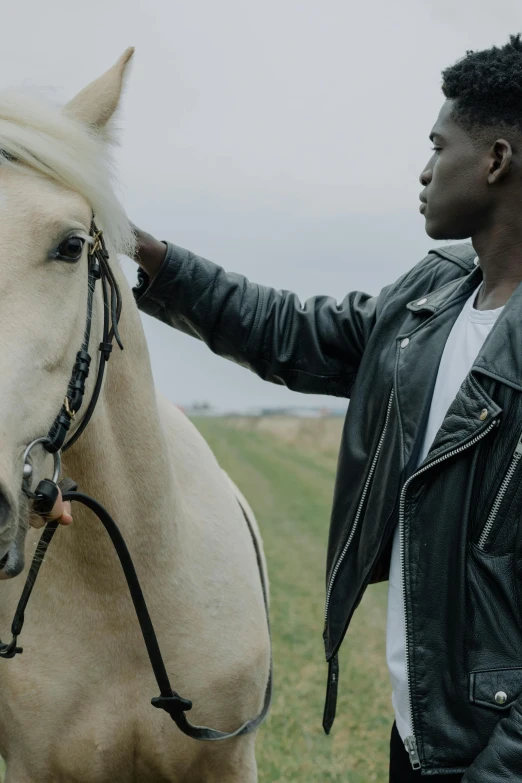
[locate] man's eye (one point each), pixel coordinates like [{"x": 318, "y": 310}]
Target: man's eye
[{"x": 71, "y": 249}]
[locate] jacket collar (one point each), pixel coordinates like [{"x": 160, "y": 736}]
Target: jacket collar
[
  {"x": 434, "y": 301},
  {"x": 501, "y": 354}
]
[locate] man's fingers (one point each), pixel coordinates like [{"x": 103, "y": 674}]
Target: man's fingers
[
  {"x": 61, "y": 511},
  {"x": 66, "y": 517}
]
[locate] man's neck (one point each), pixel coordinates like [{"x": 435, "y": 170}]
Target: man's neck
[{"x": 500, "y": 258}]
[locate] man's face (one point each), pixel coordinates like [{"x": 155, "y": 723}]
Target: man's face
[{"x": 455, "y": 180}]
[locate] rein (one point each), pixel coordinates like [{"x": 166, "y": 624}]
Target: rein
[{"x": 47, "y": 491}]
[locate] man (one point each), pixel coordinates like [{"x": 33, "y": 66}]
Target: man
[{"x": 429, "y": 487}]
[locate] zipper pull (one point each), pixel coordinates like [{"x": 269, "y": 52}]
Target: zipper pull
[
  {"x": 518, "y": 449},
  {"x": 410, "y": 743}
]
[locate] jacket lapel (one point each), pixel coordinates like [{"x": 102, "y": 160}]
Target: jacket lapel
[
  {"x": 419, "y": 350},
  {"x": 501, "y": 354}
]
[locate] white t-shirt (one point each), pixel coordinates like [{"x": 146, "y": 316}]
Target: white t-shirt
[{"x": 462, "y": 347}]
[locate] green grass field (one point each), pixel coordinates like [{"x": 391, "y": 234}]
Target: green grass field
[
  {"x": 290, "y": 489},
  {"x": 289, "y": 486}
]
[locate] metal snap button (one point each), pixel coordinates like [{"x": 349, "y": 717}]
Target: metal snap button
[
  {"x": 500, "y": 697},
  {"x": 422, "y": 301},
  {"x": 405, "y": 342},
  {"x": 483, "y": 415}
]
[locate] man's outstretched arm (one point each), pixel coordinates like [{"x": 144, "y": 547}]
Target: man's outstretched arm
[{"x": 314, "y": 347}]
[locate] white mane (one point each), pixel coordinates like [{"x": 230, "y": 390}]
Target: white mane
[{"x": 43, "y": 136}]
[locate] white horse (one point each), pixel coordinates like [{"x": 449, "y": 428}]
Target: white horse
[{"x": 75, "y": 706}]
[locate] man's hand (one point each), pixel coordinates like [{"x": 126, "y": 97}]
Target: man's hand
[
  {"x": 150, "y": 252},
  {"x": 60, "y": 511}
]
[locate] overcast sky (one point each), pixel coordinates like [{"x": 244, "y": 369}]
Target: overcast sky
[{"x": 280, "y": 138}]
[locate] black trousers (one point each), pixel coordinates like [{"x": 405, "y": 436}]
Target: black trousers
[{"x": 401, "y": 770}]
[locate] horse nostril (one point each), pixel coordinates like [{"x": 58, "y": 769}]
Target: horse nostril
[{"x": 5, "y": 510}]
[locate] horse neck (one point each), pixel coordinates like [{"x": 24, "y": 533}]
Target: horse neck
[{"x": 122, "y": 459}]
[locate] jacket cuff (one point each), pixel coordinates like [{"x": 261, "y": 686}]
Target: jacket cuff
[{"x": 152, "y": 297}]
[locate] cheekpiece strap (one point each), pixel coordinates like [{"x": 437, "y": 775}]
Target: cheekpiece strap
[{"x": 98, "y": 268}]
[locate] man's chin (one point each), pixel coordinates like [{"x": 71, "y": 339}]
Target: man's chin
[
  {"x": 444, "y": 233},
  {"x": 435, "y": 231}
]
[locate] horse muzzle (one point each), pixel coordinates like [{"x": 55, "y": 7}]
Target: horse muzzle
[
  {"x": 13, "y": 562},
  {"x": 12, "y": 552}
]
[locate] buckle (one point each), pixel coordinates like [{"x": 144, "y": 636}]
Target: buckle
[
  {"x": 106, "y": 349},
  {"x": 175, "y": 704},
  {"x": 10, "y": 650},
  {"x": 46, "y": 494}
]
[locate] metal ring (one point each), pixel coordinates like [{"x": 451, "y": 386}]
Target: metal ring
[{"x": 56, "y": 457}]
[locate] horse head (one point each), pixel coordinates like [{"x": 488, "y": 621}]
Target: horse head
[{"x": 55, "y": 176}]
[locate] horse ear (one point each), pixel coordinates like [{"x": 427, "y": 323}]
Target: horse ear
[{"x": 96, "y": 103}]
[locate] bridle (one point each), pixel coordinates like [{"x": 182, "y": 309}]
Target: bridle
[
  {"x": 54, "y": 442},
  {"x": 47, "y": 491}
]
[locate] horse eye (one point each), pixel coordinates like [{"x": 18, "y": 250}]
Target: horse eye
[{"x": 71, "y": 249}]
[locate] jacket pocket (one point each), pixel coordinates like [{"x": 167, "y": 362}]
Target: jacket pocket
[{"x": 495, "y": 688}]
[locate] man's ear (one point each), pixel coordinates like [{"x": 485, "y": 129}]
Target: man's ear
[
  {"x": 96, "y": 103},
  {"x": 501, "y": 160}
]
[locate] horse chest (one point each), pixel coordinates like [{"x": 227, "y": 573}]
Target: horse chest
[
  {"x": 96, "y": 737},
  {"x": 98, "y": 751}
]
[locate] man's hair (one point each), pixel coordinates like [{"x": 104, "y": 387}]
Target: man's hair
[{"x": 486, "y": 87}]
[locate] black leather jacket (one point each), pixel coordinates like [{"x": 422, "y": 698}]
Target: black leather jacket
[{"x": 460, "y": 512}]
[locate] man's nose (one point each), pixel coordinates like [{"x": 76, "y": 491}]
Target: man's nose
[{"x": 425, "y": 177}]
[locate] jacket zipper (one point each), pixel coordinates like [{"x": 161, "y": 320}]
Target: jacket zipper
[
  {"x": 362, "y": 500},
  {"x": 517, "y": 456},
  {"x": 410, "y": 742}
]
